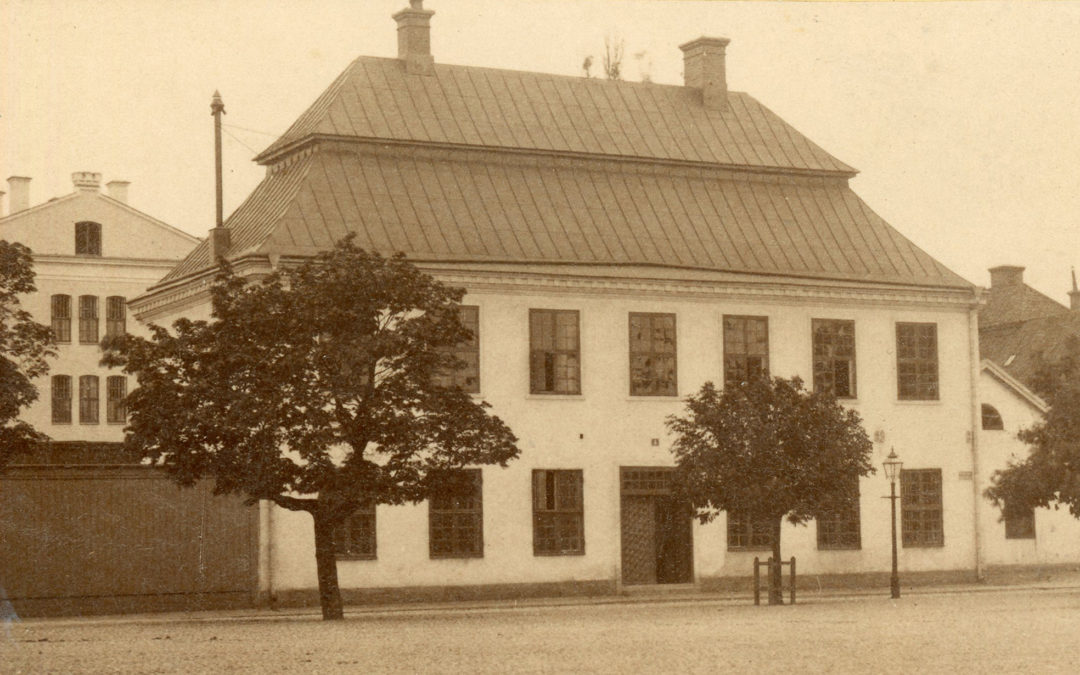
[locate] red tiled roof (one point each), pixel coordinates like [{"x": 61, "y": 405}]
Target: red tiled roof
[
  {"x": 462, "y": 105},
  {"x": 476, "y": 206}
]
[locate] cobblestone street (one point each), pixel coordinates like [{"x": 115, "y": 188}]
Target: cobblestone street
[{"x": 998, "y": 631}]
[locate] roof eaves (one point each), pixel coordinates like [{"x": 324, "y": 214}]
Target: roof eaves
[{"x": 1008, "y": 380}]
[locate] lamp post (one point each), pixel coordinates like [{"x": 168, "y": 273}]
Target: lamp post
[{"x": 892, "y": 466}]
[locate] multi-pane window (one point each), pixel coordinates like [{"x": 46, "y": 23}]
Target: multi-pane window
[
  {"x": 554, "y": 352},
  {"x": 1019, "y": 522},
  {"x": 456, "y": 516},
  {"x": 87, "y": 238},
  {"x": 746, "y": 533},
  {"x": 917, "y": 361},
  {"x": 115, "y": 315},
  {"x": 838, "y": 526},
  {"x": 468, "y": 352},
  {"x": 115, "y": 391},
  {"x": 746, "y": 348},
  {"x": 61, "y": 399},
  {"x": 991, "y": 418},
  {"x": 88, "y": 399},
  {"x": 88, "y": 319},
  {"x": 558, "y": 513},
  {"x": 355, "y": 538},
  {"x": 834, "y": 357},
  {"x": 920, "y": 500},
  {"x": 61, "y": 318},
  {"x": 652, "y": 355}
]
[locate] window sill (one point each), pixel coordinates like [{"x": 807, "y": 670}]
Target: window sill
[
  {"x": 90, "y": 424},
  {"x": 555, "y": 397},
  {"x": 563, "y": 554},
  {"x": 457, "y": 556},
  {"x": 839, "y": 548},
  {"x": 662, "y": 398},
  {"x": 350, "y": 556},
  {"x": 915, "y": 401},
  {"x": 941, "y": 545},
  {"x": 117, "y": 424},
  {"x": 749, "y": 549}
]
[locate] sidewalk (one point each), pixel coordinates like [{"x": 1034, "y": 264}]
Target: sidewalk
[{"x": 1068, "y": 582}]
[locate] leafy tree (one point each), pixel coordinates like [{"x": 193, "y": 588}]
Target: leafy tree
[
  {"x": 25, "y": 347},
  {"x": 768, "y": 449},
  {"x": 1050, "y": 475},
  {"x": 316, "y": 389}
]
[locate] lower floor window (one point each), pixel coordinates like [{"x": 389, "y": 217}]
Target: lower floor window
[
  {"x": 558, "y": 513},
  {"x": 456, "y": 516},
  {"x": 920, "y": 499},
  {"x": 838, "y": 528},
  {"x": 1019, "y": 523},
  {"x": 355, "y": 538},
  {"x": 746, "y": 533}
]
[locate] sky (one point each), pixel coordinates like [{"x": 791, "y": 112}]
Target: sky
[{"x": 963, "y": 118}]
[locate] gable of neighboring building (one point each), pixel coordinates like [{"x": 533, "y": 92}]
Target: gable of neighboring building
[{"x": 1021, "y": 347}]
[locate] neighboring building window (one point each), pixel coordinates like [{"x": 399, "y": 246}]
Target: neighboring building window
[
  {"x": 920, "y": 500},
  {"x": 554, "y": 352},
  {"x": 456, "y": 517},
  {"x": 61, "y": 399},
  {"x": 834, "y": 357},
  {"x": 115, "y": 391},
  {"x": 61, "y": 318},
  {"x": 355, "y": 538},
  {"x": 991, "y": 418},
  {"x": 88, "y": 399},
  {"x": 87, "y": 238},
  {"x": 115, "y": 315},
  {"x": 558, "y": 513},
  {"x": 468, "y": 376},
  {"x": 1019, "y": 523},
  {"x": 839, "y": 528},
  {"x": 88, "y": 319},
  {"x": 746, "y": 348},
  {"x": 917, "y": 361},
  {"x": 742, "y": 533},
  {"x": 652, "y": 355}
]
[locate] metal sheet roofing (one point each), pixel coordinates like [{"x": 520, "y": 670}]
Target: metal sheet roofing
[
  {"x": 475, "y": 206},
  {"x": 376, "y": 98}
]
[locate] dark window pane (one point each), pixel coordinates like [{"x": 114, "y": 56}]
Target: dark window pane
[
  {"x": 61, "y": 399},
  {"x": 747, "y": 533},
  {"x": 87, "y": 238},
  {"x": 1019, "y": 523},
  {"x": 116, "y": 390},
  {"x": 916, "y": 361},
  {"x": 834, "y": 357},
  {"x": 355, "y": 538},
  {"x": 88, "y": 399},
  {"x": 61, "y": 318},
  {"x": 554, "y": 352},
  {"x": 920, "y": 500},
  {"x": 88, "y": 319},
  {"x": 468, "y": 352},
  {"x": 652, "y": 355},
  {"x": 991, "y": 418},
  {"x": 746, "y": 348},
  {"x": 115, "y": 315},
  {"x": 456, "y": 516},
  {"x": 558, "y": 513}
]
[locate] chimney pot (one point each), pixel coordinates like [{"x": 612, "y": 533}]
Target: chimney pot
[
  {"x": 20, "y": 194},
  {"x": 704, "y": 68},
  {"x": 414, "y": 38},
  {"x": 219, "y": 241},
  {"x": 1006, "y": 275},
  {"x": 118, "y": 190},
  {"x": 86, "y": 181}
]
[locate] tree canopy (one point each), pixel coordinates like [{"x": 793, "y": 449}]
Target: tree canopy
[
  {"x": 1050, "y": 474},
  {"x": 25, "y": 347},
  {"x": 316, "y": 388},
  {"x": 768, "y": 449}
]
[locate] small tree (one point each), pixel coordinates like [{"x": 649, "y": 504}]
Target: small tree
[
  {"x": 1050, "y": 475},
  {"x": 317, "y": 389},
  {"x": 25, "y": 347},
  {"x": 768, "y": 449}
]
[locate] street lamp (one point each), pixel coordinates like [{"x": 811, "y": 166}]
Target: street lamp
[{"x": 892, "y": 466}]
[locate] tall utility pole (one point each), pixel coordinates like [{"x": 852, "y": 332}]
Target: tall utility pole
[{"x": 217, "y": 108}]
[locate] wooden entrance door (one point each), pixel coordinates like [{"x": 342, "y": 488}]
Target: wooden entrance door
[{"x": 657, "y": 538}]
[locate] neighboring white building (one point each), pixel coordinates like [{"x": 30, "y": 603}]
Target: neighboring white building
[{"x": 620, "y": 243}]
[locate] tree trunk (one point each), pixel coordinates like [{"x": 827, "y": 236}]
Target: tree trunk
[
  {"x": 776, "y": 574},
  {"x": 326, "y": 565}
]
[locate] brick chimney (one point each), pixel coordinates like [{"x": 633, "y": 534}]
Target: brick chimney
[
  {"x": 704, "y": 69},
  {"x": 1074, "y": 294},
  {"x": 1006, "y": 275},
  {"x": 219, "y": 242},
  {"x": 118, "y": 190},
  {"x": 19, "y": 186},
  {"x": 414, "y": 38},
  {"x": 86, "y": 181}
]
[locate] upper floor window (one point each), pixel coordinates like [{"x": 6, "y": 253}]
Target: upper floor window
[
  {"x": 920, "y": 501},
  {"x": 991, "y": 418},
  {"x": 115, "y": 391},
  {"x": 88, "y": 399},
  {"x": 746, "y": 348},
  {"x": 916, "y": 361},
  {"x": 834, "y": 357},
  {"x": 61, "y": 318},
  {"x": 468, "y": 352},
  {"x": 61, "y": 399},
  {"x": 554, "y": 352},
  {"x": 88, "y": 319},
  {"x": 115, "y": 315},
  {"x": 355, "y": 538},
  {"x": 558, "y": 513},
  {"x": 87, "y": 238},
  {"x": 652, "y": 355},
  {"x": 456, "y": 517}
]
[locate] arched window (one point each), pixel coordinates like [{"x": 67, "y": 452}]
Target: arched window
[
  {"x": 991, "y": 418},
  {"x": 87, "y": 238}
]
